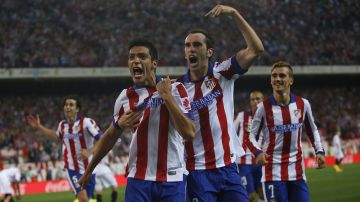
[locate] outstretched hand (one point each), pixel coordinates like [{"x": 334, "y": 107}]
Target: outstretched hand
[
  {"x": 221, "y": 9},
  {"x": 130, "y": 119},
  {"x": 33, "y": 121}
]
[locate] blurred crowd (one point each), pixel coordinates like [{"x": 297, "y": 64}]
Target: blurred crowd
[
  {"x": 20, "y": 140},
  {"x": 51, "y": 33}
]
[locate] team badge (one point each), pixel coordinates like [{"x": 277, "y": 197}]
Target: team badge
[
  {"x": 210, "y": 84},
  {"x": 297, "y": 113}
]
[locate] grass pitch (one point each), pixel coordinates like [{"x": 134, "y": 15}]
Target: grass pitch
[{"x": 325, "y": 186}]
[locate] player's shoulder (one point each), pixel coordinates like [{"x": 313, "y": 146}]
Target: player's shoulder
[
  {"x": 306, "y": 101},
  {"x": 178, "y": 87},
  {"x": 88, "y": 119},
  {"x": 175, "y": 83},
  {"x": 240, "y": 113}
]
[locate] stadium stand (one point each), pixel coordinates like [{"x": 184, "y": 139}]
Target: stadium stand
[{"x": 50, "y": 33}]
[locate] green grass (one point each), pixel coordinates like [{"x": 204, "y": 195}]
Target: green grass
[{"x": 325, "y": 185}]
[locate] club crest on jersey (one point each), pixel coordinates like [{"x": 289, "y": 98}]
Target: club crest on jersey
[
  {"x": 297, "y": 113},
  {"x": 210, "y": 84}
]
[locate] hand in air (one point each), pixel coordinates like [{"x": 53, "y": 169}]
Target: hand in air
[
  {"x": 221, "y": 9},
  {"x": 33, "y": 121}
]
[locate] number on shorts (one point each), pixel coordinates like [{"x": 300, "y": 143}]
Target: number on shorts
[
  {"x": 271, "y": 188},
  {"x": 195, "y": 200},
  {"x": 75, "y": 180},
  {"x": 243, "y": 181}
]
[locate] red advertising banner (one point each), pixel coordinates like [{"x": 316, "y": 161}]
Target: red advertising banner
[{"x": 55, "y": 186}]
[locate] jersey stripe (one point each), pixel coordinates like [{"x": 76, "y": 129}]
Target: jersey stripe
[
  {"x": 223, "y": 124},
  {"x": 133, "y": 98},
  {"x": 181, "y": 90},
  {"x": 210, "y": 161},
  {"x": 142, "y": 146},
  {"x": 66, "y": 158},
  {"x": 286, "y": 145},
  {"x": 298, "y": 167},
  {"x": 190, "y": 159},
  {"x": 272, "y": 136},
  {"x": 72, "y": 150},
  {"x": 82, "y": 141},
  {"x": 245, "y": 135},
  {"x": 161, "y": 172}
]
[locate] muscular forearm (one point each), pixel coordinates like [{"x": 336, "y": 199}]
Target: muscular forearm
[{"x": 181, "y": 122}]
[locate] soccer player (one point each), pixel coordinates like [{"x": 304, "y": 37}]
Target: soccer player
[
  {"x": 213, "y": 173},
  {"x": 158, "y": 113},
  {"x": 338, "y": 153},
  {"x": 249, "y": 170},
  {"x": 10, "y": 177},
  {"x": 76, "y": 132},
  {"x": 104, "y": 177},
  {"x": 281, "y": 118}
]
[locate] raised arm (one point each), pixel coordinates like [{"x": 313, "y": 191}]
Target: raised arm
[
  {"x": 184, "y": 125},
  {"x": 254, "y": 49},
  {"x": 35, "y": 123}
]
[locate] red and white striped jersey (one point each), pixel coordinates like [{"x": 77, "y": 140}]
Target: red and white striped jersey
[
  {"x": 282, "y": 129},
  {"x": 213, "y": 109},
  {"x": 156, "y": 148},
  {"x": 242, "y": 124},
  {"x": 75, "y": 137}
]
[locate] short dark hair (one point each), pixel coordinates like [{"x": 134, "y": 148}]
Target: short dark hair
[
  {"x": 73, "y": 97},
  {"x": 209, "y": 41},
  {"x": 146, "y": 43},
  {"x": 283, "y": 64}
]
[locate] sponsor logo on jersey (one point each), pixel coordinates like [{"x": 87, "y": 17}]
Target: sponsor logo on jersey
[
  {"x": 151, "y": 103},
  {"x": 72, "y": 136},
  {"x": 205, "y": 101},
  {"x": 286, "y": 128}
]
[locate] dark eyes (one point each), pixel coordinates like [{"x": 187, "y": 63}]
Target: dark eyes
[
  {"x": 140, "y": 55},
  {"x": 195, "y": 44},
  {"x": 280, "y": 75}
]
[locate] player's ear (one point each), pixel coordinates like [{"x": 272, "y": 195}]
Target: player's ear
[
  {"x": 210, "y": 52},
  {"x": 291, "y": 81},
  {"x": 154, "y": 63}
]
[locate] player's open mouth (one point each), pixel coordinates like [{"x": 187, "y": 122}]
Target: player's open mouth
[
  {"x": 193, "y": 59},
  {"x": 138, "y": 72}
]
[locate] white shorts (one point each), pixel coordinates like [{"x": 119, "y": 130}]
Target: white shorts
[
  {"x": 104, "y": 178},
  {"x": 5, "y": 185}
]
